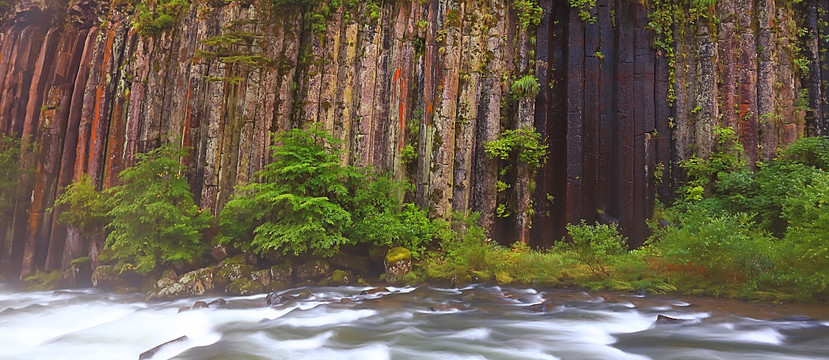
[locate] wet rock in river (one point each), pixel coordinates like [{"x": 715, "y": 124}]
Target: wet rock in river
[
  {"x": 218, "y": 302},
  {"x": 398, "y": 263},
  {"x": 150, "y": 353},
  {"x": 200, "y": 305},
  {"x": 374, "y": 291},
  {"x": 667, "y": 320},
  {"x": 244, "y": 287},
  {"x": 542, "y": 307},
  {"x": 274, "y": 299}
]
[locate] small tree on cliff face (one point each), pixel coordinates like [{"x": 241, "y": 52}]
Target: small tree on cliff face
[
  {"x": 154, "y": 218},
  {"x": 86, "y": 207},
  {"x": 295, "y": 207},
  {"x": 307, "y": 202}
]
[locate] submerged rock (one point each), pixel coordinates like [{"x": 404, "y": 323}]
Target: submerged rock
[
  {"x": 664, "y": 320},
  {"x": 150, "y": 353},
  {"x": 542, "y": 307},
  {"x": 200, "y": 305},
  {"x": 218, "y": 301},
  {"x": 274, "y": 299},
  {"x": 374, "y": 291}
]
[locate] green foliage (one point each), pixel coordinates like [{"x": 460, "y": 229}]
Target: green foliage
[
  {"x": 295, "y": 207},
  {"x": 307, "y": 202},
  {"x": 758, "y": 231},
  {"x": 525, "y": 87},
  {"x": 704, "y": 172},
  {"x": 153, "y": 20},
  {"x": 529, "y": 13},
  {"x": 726, "y": 247},
  {"x": 523, "y": 144},
  {"x": 584, "y": 7},
  {"x": 9, "y": 159},
  {"x": 154, "y": 219},
  {"x": 408, "y": 154},
  {"x": 807, "y": 251},
  {"x": 87, "y": 207},
  {"x": 594, "y": 245},
  {"x": 236, "y": 46}
]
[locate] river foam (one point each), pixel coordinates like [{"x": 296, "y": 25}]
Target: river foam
[{"x": 475, "y": 322}]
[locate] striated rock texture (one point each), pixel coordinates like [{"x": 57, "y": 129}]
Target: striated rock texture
[{"x": 434, "y": 76}]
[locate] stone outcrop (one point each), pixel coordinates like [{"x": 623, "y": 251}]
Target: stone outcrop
[{"x": 432, "y": 77}]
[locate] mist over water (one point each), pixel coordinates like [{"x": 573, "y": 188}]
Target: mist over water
[{"x": 477, "y": 322}]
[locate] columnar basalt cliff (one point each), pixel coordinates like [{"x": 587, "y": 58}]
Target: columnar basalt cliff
[{"x": 416, "y": 88}]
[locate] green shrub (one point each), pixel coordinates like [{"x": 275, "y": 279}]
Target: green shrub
[
  {"x": 594, "y": 245},
  {"x": 294, "y": 207},
  {"x": 725, "y": 158},
  {"x": 529, "y": 13},
  {"x": 806, "y": 250},
  {"x": 721, "y": 246},
  {"x": 152, "y": 20},
  {"x": 525, "y": 87},
  {"x": 306, "y": 202},
  {"x": 154, "y": 218},
  {"x": 87, "y": 208},
  {"x": 525, "y": 144}
]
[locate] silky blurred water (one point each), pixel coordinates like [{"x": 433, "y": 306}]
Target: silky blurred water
[{"x": 476, "y": 322}]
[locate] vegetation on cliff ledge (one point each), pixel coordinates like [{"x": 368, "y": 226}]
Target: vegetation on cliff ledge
[{"x": 733, "y": 232}]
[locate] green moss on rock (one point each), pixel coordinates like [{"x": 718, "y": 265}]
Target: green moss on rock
[
  {"x": 244, "y": 286},
  {"x": 398, "y": 254}
]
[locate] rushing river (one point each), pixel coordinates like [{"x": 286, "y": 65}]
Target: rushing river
[{"x": 477, "y": 322}]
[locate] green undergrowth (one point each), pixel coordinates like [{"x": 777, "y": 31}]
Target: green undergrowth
[{"x": 753, "y": 235}]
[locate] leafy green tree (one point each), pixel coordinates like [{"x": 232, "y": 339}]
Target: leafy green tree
[
  {"x": 87, "y": 207},
  {"x": 154, "y": 218},
  {"x": 297, "y": 205},
  {"x": 307, "y": 202}
]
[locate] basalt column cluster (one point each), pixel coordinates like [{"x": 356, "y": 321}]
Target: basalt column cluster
[{"x": 413, "y": 87}]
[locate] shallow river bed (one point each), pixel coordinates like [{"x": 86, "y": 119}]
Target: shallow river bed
[{"x": 476, "y": 322}]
